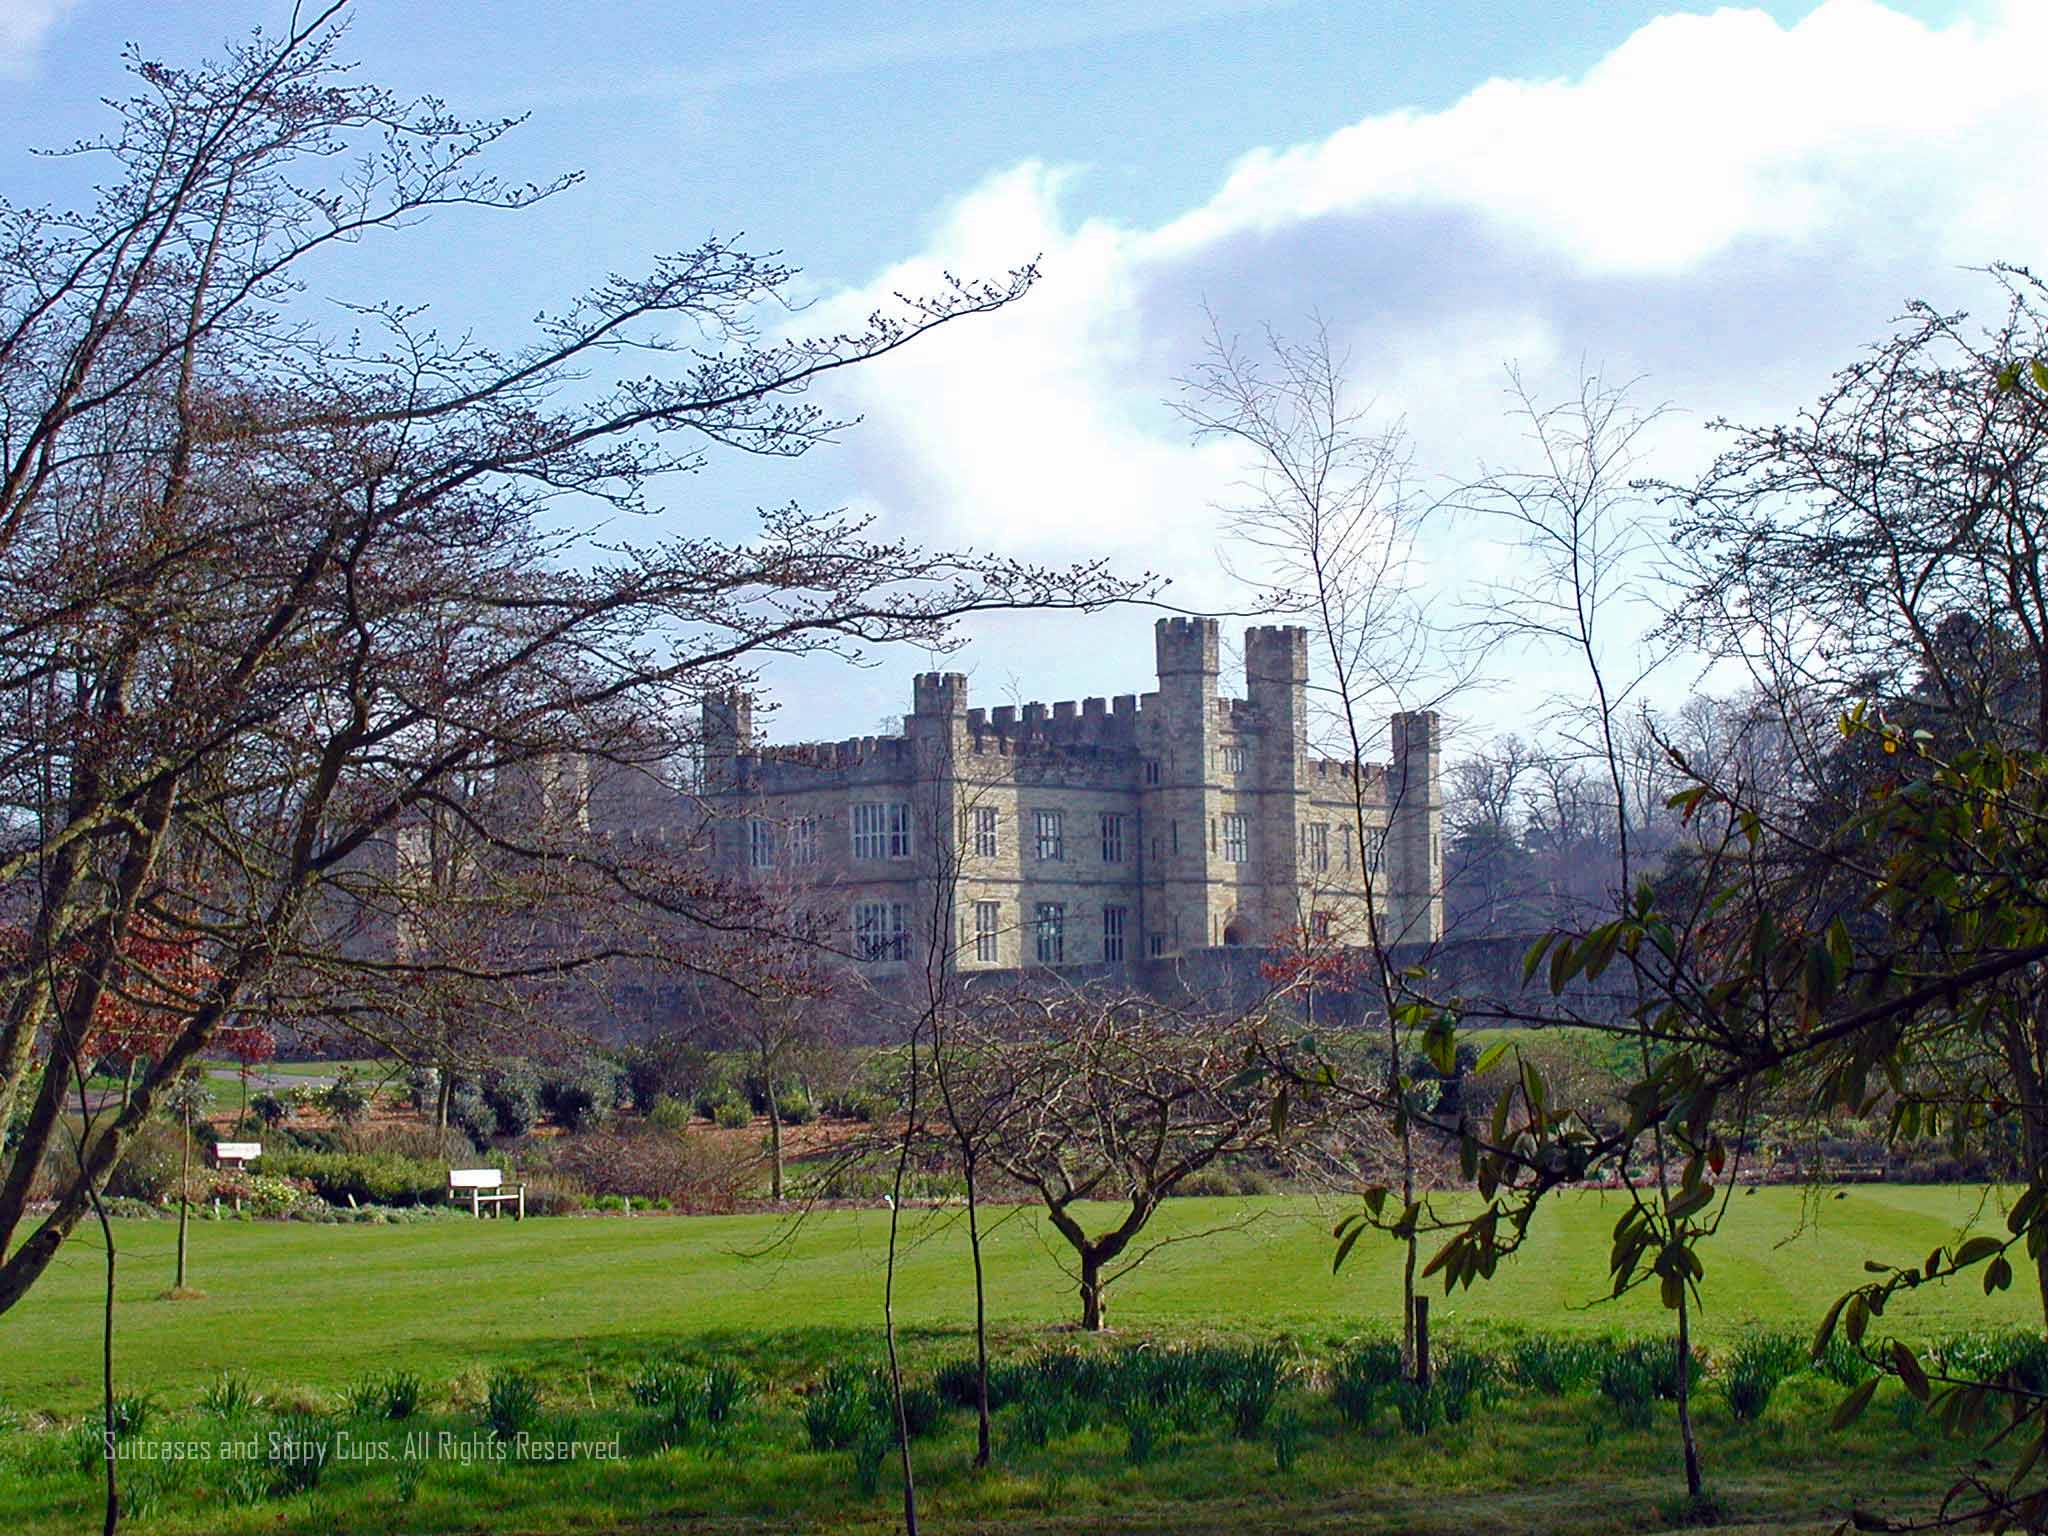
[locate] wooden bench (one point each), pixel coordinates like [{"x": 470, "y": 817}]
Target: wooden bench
[{"x": 485, "y": 1186}]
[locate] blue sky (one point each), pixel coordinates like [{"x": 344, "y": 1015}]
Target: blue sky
[{"x": 1724, "y": 202}]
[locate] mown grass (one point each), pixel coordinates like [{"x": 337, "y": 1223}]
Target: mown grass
[
  {"x": 583, "y": 1306},
  {"x": 444, "y": 1297}
]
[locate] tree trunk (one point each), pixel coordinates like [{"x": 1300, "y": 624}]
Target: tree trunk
[
  {"x": 444, "y": 1094},
  {"x": 1685, "y": 1435},
  {"x": 184, "y": 1195},
  {"x": 981, "y": 1435},
  {"x": 1093, "y": 1301},
  {"x": 774, "y": 1145}
]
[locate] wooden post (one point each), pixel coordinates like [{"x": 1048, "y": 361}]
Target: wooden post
[
  {"x": 1422, "y": 1342},
  {"x": 522, "y": 1204}
]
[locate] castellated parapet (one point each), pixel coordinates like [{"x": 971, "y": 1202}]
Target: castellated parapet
[{"x": 1091, "y": 831}]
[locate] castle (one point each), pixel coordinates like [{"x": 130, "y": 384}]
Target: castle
[{"x": 1097, "y": 833}]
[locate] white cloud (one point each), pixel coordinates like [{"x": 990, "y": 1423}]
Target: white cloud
[
  {"x": 23, "y": 25},
  {"x": 1723, "y": 205}
]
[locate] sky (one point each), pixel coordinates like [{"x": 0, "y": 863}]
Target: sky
[{"x": 1719, "y": 205}]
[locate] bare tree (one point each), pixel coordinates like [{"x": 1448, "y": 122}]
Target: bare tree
[
  {"x": 1330, "y": 522},
  {"x": 1581, "y": 533},
  {"x": 266, "y": 595},
  {"x": 1106, "y": 1096}
]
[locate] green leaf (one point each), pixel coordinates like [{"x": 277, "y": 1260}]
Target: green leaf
[
  {"x": 1826, "y": 1330},
  {"x": 1997, "y": 1274},
  {"x": 1489, "y": 1057},
  {"x": 1976, "y": 1250},
  {"x": 1909, "y": 1370},
  {"x": 1534, "y": 957},
  {"x": 1850, "y": 1409},
  {"x": 1344, "y": 1247}
]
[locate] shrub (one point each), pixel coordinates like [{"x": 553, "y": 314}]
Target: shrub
[
  {"x": 669, "y": 1114},
  {"x": 270, "y": 1109},
  {"x": 793, "y": 1107},
  {"x": 148, "y": 1169},
  {"x": 345, "y": 1098},
  {"x": 693, "y": 1172},
  {"x": 511, "y": 1403},
  {"x": 659, "y": 1383},
  {"x": 582, "y": 1094},
  {"x": 423, "y": 1089},
  {"x": 665, "y": 1067},
  {"x": 511, "y": 1091},
  {"x": 1420, "y": 1408},
  {"x": 367, "y": 1178},
  {"x": 469, "y": 1113},
  {"x": 923, "y": 1409},
  {"x": 726, "y": 1389},
  {"x": 732, "y": 1114}
]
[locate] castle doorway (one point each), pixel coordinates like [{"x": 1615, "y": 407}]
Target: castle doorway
[{"x": 1235, "y": 933}]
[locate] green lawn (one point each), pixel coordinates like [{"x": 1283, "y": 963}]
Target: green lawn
[
  {"x": 583, "y": 1305},
  {"x": 314, "y": 1306}
]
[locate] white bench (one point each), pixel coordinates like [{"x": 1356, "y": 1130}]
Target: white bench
[
  {"x": 236, "y": 1156},
  {"x": 485, "y": 1186}
]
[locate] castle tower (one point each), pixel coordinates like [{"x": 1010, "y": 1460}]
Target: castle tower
[
  {"x": 1186, "y": 802},
  {"x": 1414, "y": 853},
  {"x": 1276, "y": 686},
  {"x": 728, "y": 732}
]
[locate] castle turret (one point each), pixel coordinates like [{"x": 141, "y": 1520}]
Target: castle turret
[
  {"x": 1413, "y": 865},
  {"x": 1183, "y": 808},
  {"x": 1276, "y": 687},
  {"x": 728, "y": 732}
]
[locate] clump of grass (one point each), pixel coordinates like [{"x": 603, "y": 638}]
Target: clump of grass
[
  {"x": 1629, "y": 1378},
  {"x": 726, "y": 1389},
  {"x": 1248, "y": 1387},
  {"x": 511, "y": 1403},
  {"x": 1755, "y": 1368},
  {"x": 1287, "y": 1435},
  {"x": 658, "y": 1383},
  {"x": 1144, "y": 1427},
  {"x": 839, "y": 1409},
  {"x": 870, "y": 1449},
  {"x": 394, "y": 1395},
  {"x": 1462, "y": 1378},
  {"x": 1843, "y": 1363},
  {"x": 298, "y": 1454},
  {"x": 230, "y": 1397},
  {"x": 1362, "y": 1379},
  {"x": 1553, "y": 1365}
]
